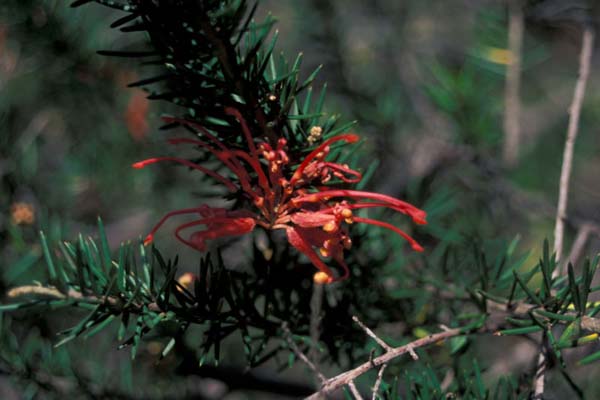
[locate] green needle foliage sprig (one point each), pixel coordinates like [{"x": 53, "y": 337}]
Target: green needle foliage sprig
[
  {"x": 139, "y": 291},
  {"x": 210, "y": 55}
]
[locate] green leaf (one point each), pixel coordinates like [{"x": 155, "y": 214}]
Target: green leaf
[
  {"x": 48, "y": 257},
  {"x": 302, "y": 116},
  {"x": 64, "y": 248},
  {"x": 137, "y": 335},
  {"x": 121, "y": 277},
  {"x": 321, "y": 100},
  {"x": 575, "y": 290},
  {"x": 145, "y": 264},
  {"x": 368, "y": 174},
  {"x": 529, "y": 293},
  {"x": 123, "y": 326},
  {"x": 571, "y": 332},
  {"x": 97, "y": 279},
  {"x": 343, "y": 128},
  {"x": 106, "y": 260},
  {"x": 478, "y": 380},
  {"x": 519, "y": 322},
  {"x": 168, "y": 348},
  {"x": 82, "y": 267},
  {"x": 80, "y": 327},
  {"x": 476, "y": 324},
  {"x": 555, "y": 316},
  {"x": 554, "y": 345},
  {"x": 546, "y": 267},
  {"x": 458, "y": 343},
  {"x": 307, "y": 99},
  {"x": 493, "y": 297},
  {"x": 310, "y": 79},
  {"x": 590, "y": 359},
  {"x": 515, "y": 266},
  {"x": 588, "y": 275},
  {"x": 594, "y": 311},
  {"x": 100, "y": 326},
  {"x": 291, "y": 359},
  {"x": 513, "y": 245},
  {"x": 521, "y": 331}
]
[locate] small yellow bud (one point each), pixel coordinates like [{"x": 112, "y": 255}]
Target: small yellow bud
[
  {"x": 322, "y": 278},
  {"x": 316, "y": 131},
  {"x": 187, "y": 280},
  {"x": 314, "y": 134}
]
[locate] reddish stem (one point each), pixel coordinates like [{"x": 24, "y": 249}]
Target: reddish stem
[
  {"x": 229, "y": 228},
  {"x": 228, "y": 158},
  {"x": 150, "y": 236},
  {"x": 230, "y": 185},
  {"x": 344, "y": 170},
  {"x": 235, "y": 113},
  {"x": 413, "y": 243},
  {"x": 349, "y": 138}
]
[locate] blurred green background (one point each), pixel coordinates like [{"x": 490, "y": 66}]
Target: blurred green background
[{"x": 425, "y": 80}]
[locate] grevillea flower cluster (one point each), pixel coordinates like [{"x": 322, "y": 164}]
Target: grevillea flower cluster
[{"x": 314, "y": 216}]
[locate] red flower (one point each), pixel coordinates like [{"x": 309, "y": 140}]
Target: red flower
[{"x": 313, "y": 216}]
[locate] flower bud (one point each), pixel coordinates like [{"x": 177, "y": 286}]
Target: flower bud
[{"x": 322, "y": 278}]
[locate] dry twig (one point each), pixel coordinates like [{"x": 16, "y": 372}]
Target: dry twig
[
  {"x": 345, "y": 378},
  {"x": 565, "y": 176},
  {"x": 372, "y": 334},
  {"x": 575, "y": 112},
  {"x": 50, "y": 292},
  {"x": 355, "y": 391},
  {"x": 301, "y": 355},
  {"x": 378, "y": 382}
]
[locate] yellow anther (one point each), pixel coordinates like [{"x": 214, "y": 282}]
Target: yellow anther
[
  {"x": 330, "y": 226},
  {"x": 347, "y": 213}
]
